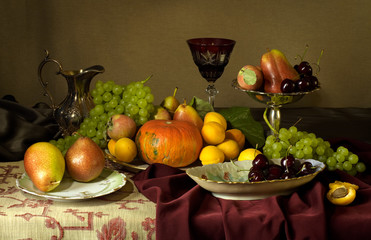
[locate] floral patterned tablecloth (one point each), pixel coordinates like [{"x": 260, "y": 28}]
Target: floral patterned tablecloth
[{"x": 125, "y": 214}]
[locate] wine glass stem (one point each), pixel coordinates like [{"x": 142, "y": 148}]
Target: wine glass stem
[
  {"x": 212, "y": 91},
  {"x": 275, "y": 118}
]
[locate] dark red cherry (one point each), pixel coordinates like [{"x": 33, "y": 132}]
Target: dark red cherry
[
  {"x": 288, "y": 86},
  {"x": 287, "y": 174},
  {"x": 296, "y": 67},
  {"x": 256, "y": 176},
  {"x": 274, "y": 172},
  {"x": 303, "y": 85},
  {"x": 305, "y": 169},
  {"x": 260, "y": 162},
  {"x": 305, "y": 68},
  {"x": 288, "y": 162},
  {"x": 314, "y": 81}
]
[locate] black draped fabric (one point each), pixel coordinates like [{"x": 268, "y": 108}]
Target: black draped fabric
[{"x": 22, "y": 126}]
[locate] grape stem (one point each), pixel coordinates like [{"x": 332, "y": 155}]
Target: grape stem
[
  {"x": 297, "y": 121},
  {"x": 267, "y": 122},
  {"x": 145, "y": 80}
]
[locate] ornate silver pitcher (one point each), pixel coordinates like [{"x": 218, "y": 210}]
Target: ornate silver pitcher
[{"x": 78, "y": 102}]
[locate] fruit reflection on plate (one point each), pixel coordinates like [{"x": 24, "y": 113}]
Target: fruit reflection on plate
[
  {"x": 70, "y": 190},
  {"x": 212, "y": 178}
]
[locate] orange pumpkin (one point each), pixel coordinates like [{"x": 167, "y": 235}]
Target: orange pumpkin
[{"x": 170, "y": 142}]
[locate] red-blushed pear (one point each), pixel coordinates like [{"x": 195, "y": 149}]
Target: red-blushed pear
[
  {"x": 85, "y": 160},
  {"x": 276, "y": 68},
  {"x": 161, "y": 114},
  {"x": 45, "y": 165},
  {"x": 250, "y": 77},
  {"x": 170, "y": 103},
  {"x": 187, "y": 113},
  {"x": 120, "y": 126}
]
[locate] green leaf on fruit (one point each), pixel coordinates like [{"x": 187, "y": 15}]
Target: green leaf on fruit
[
  {"x": 201, "y": 106},
  {"x": 241, "y": 118}
]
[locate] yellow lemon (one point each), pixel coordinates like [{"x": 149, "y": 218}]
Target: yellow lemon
[
  {"x": 230, "y": 149},
  {"x": 111, "y": 146},
  {"x": 211, "y": 154},
  {"x": 215, "y": 117},
  {"x": 237, "y": 135},
  {"x": 248, "y": 154},
  {"x": 125, "y": 150},
  {"x": 213, "y": 133}
]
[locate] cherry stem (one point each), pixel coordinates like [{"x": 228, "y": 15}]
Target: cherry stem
[
  {"x": 320, "y": 56},
  {"x": 317, "y": 63},
  {"x": 305, "y": 52},
  {"x": 287, "y": 151}
]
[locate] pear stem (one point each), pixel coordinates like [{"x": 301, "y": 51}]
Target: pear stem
[{"x": 175, "y": 90}]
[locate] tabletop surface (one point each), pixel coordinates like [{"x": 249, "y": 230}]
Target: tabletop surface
[{"x": 125, "y": 214}]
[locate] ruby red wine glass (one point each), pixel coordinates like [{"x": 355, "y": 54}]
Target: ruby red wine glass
[{"x": 211, "y": 55}]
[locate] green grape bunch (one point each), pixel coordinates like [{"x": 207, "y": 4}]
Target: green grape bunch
[
  {"x": 304, "y": 145},
  {"x": 134, "y": 100}
]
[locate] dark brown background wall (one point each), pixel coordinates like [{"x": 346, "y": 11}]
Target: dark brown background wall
[{"x": 133, "y": 39}]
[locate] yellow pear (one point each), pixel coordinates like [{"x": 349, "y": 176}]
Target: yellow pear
[
  {"x": 185, "y": 112},
  {"x": 45, "y": 165}
]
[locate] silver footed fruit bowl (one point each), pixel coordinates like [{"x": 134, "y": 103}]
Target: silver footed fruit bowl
[
  {"x": 274, "y": 102},
  {"x": 273, "y": 99}
]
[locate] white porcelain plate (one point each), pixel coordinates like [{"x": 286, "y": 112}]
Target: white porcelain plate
[
  {"x": 229, "y": 180},
  {"x": 70, "y": 190}
]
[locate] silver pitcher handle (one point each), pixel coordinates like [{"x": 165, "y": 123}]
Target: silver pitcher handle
[{"x": 43, "y": 83}]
